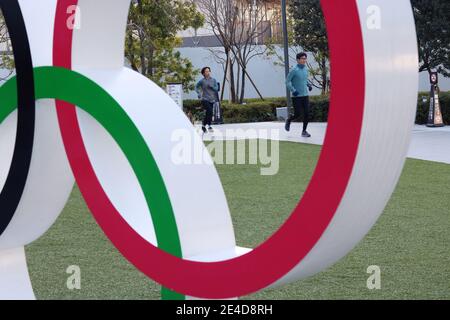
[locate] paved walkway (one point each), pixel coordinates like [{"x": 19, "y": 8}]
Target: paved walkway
[{"x": 431, "y": 144}]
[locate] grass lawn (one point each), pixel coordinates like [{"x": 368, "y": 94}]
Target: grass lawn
[{"x": 410, "y": 242}]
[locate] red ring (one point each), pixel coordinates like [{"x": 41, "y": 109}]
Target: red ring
[{"x": 298, "y": 235}]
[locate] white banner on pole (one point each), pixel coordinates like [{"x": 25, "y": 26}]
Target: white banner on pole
[{"x": 175, "y": 91}]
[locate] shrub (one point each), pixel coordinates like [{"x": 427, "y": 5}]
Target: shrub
[{"x": 256, "y": 110}]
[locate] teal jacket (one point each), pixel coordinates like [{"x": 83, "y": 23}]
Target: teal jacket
[
  {"x": 297, "y": 80},
  {"x": 207, "y": 89}
]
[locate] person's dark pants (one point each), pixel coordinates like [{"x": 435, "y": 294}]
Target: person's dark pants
[
  {"x": 299, "y": 104},
  {"x": 209, "y": 107}
]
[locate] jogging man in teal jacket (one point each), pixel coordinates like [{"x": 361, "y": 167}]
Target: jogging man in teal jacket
[{"x": 297, "y": 83}]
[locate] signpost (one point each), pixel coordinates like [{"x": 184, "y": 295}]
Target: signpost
[
  {"x": 175, "y": 91},
  {"x": 434, "y": 115}
]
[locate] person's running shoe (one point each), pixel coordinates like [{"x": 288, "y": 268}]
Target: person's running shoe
[
  {"x": 210, "y": 129},
  {"x": 305, "y": 134},
  {"x": 204, "y": 129},
  {"x": 287, "y": 126}
]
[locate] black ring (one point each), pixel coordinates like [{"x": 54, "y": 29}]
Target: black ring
[{"x": 14, "y": 186}]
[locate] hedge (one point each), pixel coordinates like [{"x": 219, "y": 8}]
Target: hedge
[{"x": 256, "y": 110}]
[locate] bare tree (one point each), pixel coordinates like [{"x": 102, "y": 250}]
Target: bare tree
[
  {"x": 6, "y": 57},
  {"x": 242, "y": 27},
  {"x": 252, "y": 33},
  {"x": 320, "y": 74},
  {"x": 222, "y": 59},
  {"x": 221, "y": 19}
]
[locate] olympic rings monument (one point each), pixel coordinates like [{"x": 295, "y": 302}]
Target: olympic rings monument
[{"x": 75, "y": 113}]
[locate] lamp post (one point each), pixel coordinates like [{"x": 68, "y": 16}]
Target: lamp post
[{"x": 286, "y": 52}]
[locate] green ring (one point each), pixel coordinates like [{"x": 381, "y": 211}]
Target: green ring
[{"x": 74, "y": 88}]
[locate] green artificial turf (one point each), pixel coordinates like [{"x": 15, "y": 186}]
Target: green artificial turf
[{"x": 410, "y": 242}]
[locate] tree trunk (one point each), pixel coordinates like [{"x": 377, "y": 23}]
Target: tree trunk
[
  {"x": 223, "y": 82},
  {"x": 131, "y": 52},
  {"x": 238, "y": 81},
  {"x": 150, "y": 66},
  {"x": 143, "y": 63},
  {"x": 254, "y": 85},
  {"x": 232, "y": 83},
  {"x": 241, "y": 99},
  {"x": 324, "y": 76},
  {"x": 141, "y": 42}
]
